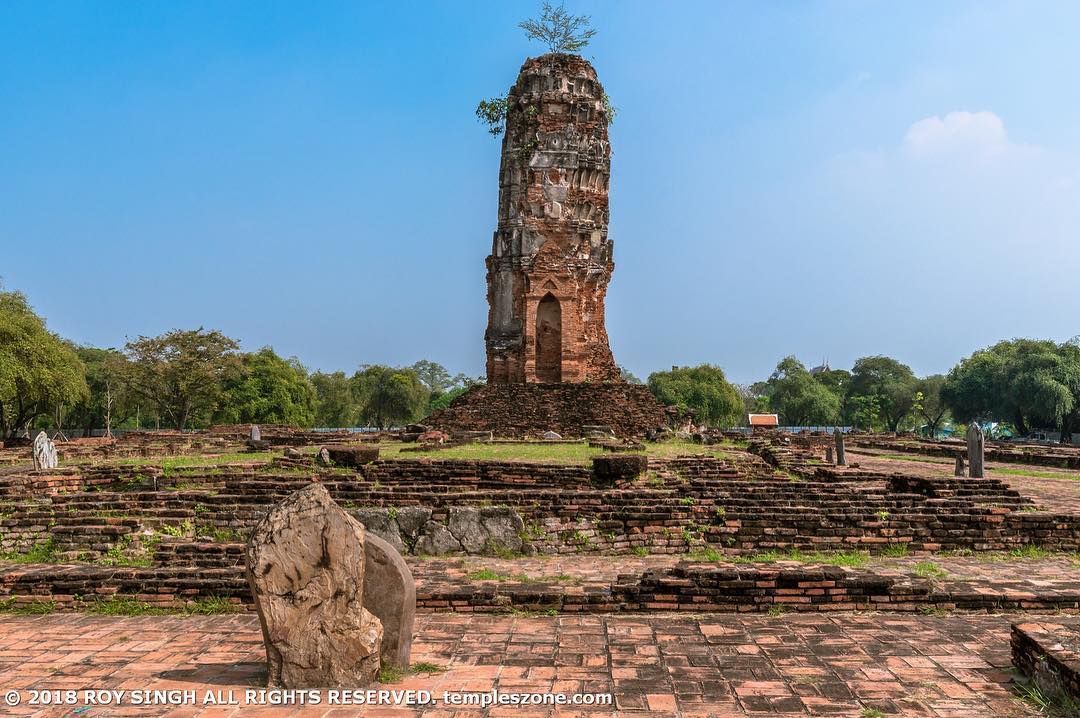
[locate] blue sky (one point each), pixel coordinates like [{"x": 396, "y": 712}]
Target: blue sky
[{"x": 824, "y": 179}]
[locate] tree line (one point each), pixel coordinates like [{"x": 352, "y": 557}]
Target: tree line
[
  {"x": 195, "y": 378},
  {"x": 1023, "y": 384}
]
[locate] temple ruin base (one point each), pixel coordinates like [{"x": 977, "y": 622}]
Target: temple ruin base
[{"x": 523, "y": 410}]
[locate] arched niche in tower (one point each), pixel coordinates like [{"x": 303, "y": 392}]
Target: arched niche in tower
[{"x": 549, "y": 339}]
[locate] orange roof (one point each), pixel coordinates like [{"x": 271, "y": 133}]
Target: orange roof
[{"x": 764, "y": 420}]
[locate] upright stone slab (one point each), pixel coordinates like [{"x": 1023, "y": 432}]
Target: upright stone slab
[
  {"x": 45, "y": 457},
  {"x": 390, "y": 594},
  {"x": 976, "y": 444},
  {"x": 828, "y": 454},
  {"x": 255, "y": 434},
  {"x": 959, "y": 470},
  {"x": 838, "y": 438},
  {"x": 305, "y": 564}
]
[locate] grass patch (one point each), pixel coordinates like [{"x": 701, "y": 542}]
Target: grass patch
[
  {"x": 871, "y": 713},
  {"x": 908, "y": 457},
  {"x": 125, "y": 606},
  {"x": 44, "y": 552},
  {"x": 851, "y": 559},
  {"x": 1030, "y": 551},
  {"x": 1056, "y": 705},
  {"x": 709, "y": 554},
  {"x": 191, "y": 463},
  {"x": 425, "y": 667},
  {"x": 34, "y": 608},
  {"x": 895, "y": 550},
  {"x": 933, "y": 611},
  {"x": 1036, "y": 474},
  {"x": 486, "y": 574},
  {"x": 928, "y": 569},
  {"x": 389, "y": 674},
  {"x": 562, "y": 453}
]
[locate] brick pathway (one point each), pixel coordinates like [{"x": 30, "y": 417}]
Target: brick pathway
[{"x": 715, "y": 665}]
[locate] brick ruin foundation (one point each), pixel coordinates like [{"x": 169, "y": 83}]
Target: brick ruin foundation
[
  {"x": 168, "y": 536},
  {"x": 520, "y": 410}
]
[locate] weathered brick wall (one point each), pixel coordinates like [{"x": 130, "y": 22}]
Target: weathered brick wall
[
  {"x": 714, "y": 587},
  {"x": 517, "y": 410}
]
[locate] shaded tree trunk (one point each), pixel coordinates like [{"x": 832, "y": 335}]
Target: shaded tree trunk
[
  {"x": 1021, "y": 425},
  {"x": 1067, "y": 423}
]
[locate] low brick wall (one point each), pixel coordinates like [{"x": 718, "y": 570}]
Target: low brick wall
[
  {"x": 711, "y": 587},
  {"x": 1048, "y": 652}
]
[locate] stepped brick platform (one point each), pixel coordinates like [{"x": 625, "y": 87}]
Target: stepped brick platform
[
  {"x": 732, "y": 504},
  {"x": 713, "y": 666},
  {"x": 599, "y": 584},
  {"x": 1048, "y": 651},
  {"x": 519, "y": 410},
  {"x": 1049, "y": 489}
]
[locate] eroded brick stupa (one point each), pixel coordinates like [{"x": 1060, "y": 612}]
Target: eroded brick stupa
[
  {"x": 551, "y": 258},
  {"x": 549, "y": 366}
]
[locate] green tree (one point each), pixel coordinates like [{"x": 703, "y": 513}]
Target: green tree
[
  {"x": 559, "y": 30},
  {"x": 931, "y": 407},
  {"x": 1026, "y": 382},
  {"x": 108, "y": 403},
  {"x": 703, "y": 390},
  {"x": 39, "y": 371},
  {"x": 335, "y": 400},
  {"x": 389, "y": 396},
  {"x": 267, "y": 390},
  {"x": 182, "y": 372},
  {"x": 890, "y": 384},
  {"x": 799, "y": 398},
  {"x": 628, "y": 376},
  {"x": 443, "y": 400}
]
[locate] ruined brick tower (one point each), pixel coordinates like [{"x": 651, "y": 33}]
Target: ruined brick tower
[{"x": 551, "y": 258}]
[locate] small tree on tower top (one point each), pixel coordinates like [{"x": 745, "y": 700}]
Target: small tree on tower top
[{"x": 559, "y": 30}]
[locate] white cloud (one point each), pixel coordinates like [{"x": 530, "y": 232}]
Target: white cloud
[{"x": 958, "y": 132}]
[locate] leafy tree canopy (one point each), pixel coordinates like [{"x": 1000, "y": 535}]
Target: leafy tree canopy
[
  {"x": 39, "y": 371},
  {"x": 799, "y": 398},
  {"x": 885, "y": 384},
  {"x": 108, "y": 402},
  {"x": 559, "y": 30},
  {"x": 267, "y": 390},
  {"x": 703, "y": 390},
  {"x": 182, "y": 372},
  {"x": 1027, "y": 382},
  {"x": 336, "y": 405},
  {"x": 389, "y": 396}
]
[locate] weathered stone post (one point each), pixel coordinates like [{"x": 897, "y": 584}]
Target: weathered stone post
[
  {"x": 975, "y": 445},
  {"x": 838, "y": 437},
  {"x": 960, "y": 468},
  {"x": 828, "y": 454}
]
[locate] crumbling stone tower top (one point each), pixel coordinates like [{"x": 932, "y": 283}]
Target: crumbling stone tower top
[{"x": 551, "y": 258}]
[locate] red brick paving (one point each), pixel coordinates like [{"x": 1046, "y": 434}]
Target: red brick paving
[{"x": 706, "y": 665}]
